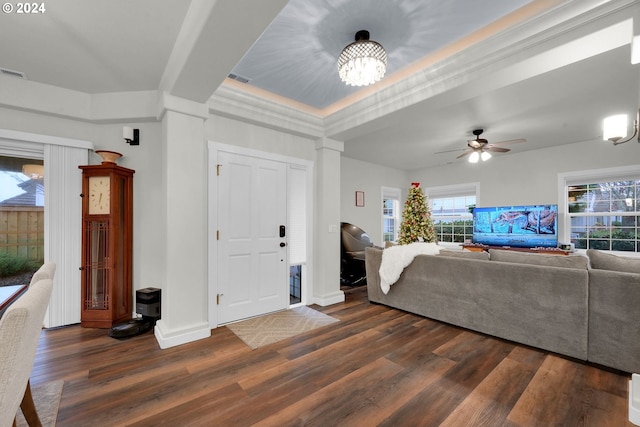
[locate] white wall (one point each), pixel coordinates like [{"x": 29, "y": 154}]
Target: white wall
[
  {"x": 229, "y": 131},
  {"x": 357, "y": 175},
  {"x": 146, "y": 160},
  {"x": 45, "y": 125},
  {"x": 530, "y": 177}
]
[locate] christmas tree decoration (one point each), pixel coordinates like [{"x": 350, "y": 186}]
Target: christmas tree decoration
[{"x": 417, "y": 225}]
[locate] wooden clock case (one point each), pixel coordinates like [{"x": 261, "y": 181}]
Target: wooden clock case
[{"x": 107, "y": 240}]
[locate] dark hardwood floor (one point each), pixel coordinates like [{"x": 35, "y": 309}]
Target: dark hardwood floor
[{"x": 377, "y": 366}]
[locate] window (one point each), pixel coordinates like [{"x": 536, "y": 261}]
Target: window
[
  {"x": 451, "y": 211},
  {"x": 600, "y": 208},
  {"x": 605, "y": 215},
  {"x": 22, "y": 214},
  {"x": 390, "y": 219},
  {"x": 297, "y": 232},
  {"x": 390, "y": 214},
  {"x": 62, "y": 235}
]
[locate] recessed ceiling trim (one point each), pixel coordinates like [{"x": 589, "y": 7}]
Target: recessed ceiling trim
[
  {"x": 490, "y": 55},
  {"x": 230, "y": 100}
]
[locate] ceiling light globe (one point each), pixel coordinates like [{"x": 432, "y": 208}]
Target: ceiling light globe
[
  {"x": 474, "y": 157},
  {"x": 363, "y": 62},
  {"x": 485, "y": 156}
]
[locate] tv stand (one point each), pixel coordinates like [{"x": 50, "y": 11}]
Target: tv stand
[{"x": 474, "y": 247}]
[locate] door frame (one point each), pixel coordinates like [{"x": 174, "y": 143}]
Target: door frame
[{"x": 212, "y": 217}]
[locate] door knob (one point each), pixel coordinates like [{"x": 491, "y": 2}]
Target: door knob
[{"x": 283, "y": 244}]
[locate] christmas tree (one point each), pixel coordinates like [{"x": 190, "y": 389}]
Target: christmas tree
[{"x": 416, "y": 218}]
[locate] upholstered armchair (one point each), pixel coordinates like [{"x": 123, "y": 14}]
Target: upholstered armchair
[
  {"x": 46, "y": 271},
  {"x": 20, "y": 328}
]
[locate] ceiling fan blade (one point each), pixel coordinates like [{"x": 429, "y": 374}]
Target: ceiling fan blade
[
  {"x": 497, "y": 149},
  {"x": 450, "y": 151},
  {"x": 509, "y": 142},
  {"x": 465, "y": 154}
]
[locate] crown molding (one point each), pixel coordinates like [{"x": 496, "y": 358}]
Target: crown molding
[
  {"x": 168, "y": 102},
  {"x": 40, "y": 98},
  {"x": 241, "y": 105}
]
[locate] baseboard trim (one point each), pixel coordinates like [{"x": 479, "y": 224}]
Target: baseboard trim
[
  {"x": 634, "y": 399},
  {"x": 167, "y": 338},
  {"x": 330, "y": 299}
]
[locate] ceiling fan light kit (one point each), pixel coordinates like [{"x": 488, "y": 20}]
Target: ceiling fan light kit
[
  {"x": 362, "y": 62},
  {"x": 614, "y": 128},
  {"x": 479, "y": 148}
]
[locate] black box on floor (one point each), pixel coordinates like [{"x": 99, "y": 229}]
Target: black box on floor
[{"x": 148, "y": 302}]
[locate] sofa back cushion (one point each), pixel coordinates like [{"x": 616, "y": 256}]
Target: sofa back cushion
[
  {"x": 571, "y": 261},
  {"x": 465, "y": 254},
  {"x": 603, "y": 261}
]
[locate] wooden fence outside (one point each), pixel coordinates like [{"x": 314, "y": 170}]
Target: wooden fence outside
[{"x": 22, "y": 231}]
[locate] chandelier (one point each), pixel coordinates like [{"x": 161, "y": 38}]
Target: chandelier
[{"x": 363, "y": 62}]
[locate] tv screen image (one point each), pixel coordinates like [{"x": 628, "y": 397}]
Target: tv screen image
[{"x": 528, "y": 226}]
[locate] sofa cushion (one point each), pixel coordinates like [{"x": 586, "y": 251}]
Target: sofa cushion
[
  {"x": 571, "y": 261},
  {"x": 604, "y": 261},
  {"x": 465, "y": 254}
]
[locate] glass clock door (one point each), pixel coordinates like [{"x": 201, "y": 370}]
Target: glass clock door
[{"x": 97, "y": 284}]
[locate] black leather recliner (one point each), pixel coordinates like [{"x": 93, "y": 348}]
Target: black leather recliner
[{"x": 354, "y": 240}]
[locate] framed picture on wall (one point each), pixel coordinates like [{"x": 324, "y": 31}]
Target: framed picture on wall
[{"x": 359, "y": 198}]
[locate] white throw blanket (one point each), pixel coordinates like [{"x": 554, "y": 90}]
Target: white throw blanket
[{"x": 396, "y": 258}]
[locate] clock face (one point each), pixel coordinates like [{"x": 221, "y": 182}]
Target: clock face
[{"x": 99, "y": 191}]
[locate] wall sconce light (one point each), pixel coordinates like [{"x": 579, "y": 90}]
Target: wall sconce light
[
  {"x": 131, "y": 136},
  {"x": 614, "y": 129}
]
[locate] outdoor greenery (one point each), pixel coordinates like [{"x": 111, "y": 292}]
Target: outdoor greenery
[
  {"x": 618, "y": 239},
  {"x": 456, "y": 231},
  {"x": 604, "y": 215},
  {"x": 10, "y": 265}
]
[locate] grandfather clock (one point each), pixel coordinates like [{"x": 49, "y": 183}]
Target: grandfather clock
[{"x": 107, "y": 220}]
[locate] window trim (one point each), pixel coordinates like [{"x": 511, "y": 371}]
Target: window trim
[
  {"x": 449, "y": 191},
  {"x": 566, "y": 179},
  {"x": 396, "y": 194}
]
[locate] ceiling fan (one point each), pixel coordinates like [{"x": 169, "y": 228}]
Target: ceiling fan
[{"x": 480, "y": 148}]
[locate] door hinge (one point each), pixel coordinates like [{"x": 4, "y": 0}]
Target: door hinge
[
  {"x": 218, "y": 169},
  {"x": 218, "y": 299},
  {"x": 217, "y": 234}
]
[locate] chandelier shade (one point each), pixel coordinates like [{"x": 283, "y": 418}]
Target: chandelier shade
[{"x": 363, "y": 62}]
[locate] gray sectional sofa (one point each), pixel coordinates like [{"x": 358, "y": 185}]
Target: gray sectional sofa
[{"x": 583, "y": 307}]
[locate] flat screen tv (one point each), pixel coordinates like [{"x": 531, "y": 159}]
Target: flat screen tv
[{"x": 532, "y": 226}]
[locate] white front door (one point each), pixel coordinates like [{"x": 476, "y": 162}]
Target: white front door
[{"x": 252, "y": 214}]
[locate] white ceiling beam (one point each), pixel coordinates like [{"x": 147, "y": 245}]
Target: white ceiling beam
[{"x": 211, "y": 43}]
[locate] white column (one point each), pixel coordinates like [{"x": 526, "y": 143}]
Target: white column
[
  {"x": 326, "y": 289},
  {"x": 184, "y": 296}
]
